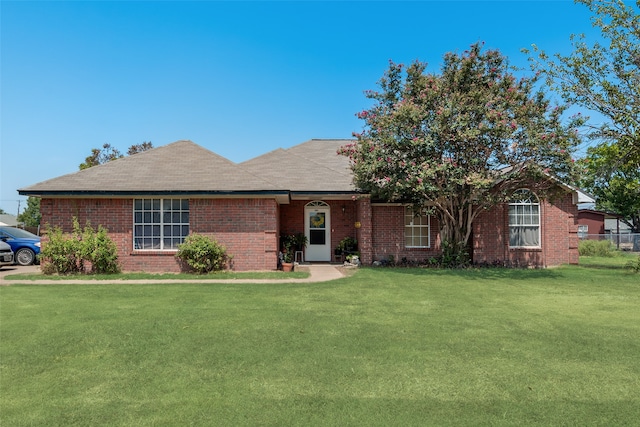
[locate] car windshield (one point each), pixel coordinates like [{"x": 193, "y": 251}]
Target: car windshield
[{"x": 18, "y": 233}]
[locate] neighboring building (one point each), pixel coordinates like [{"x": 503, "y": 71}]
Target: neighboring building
[
  {"x": 151, "y": 201},
  {"x": 592, "y": 222},
  {"x": 8, "y": 220}
]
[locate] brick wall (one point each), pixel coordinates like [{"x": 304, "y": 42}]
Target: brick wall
[
  {"x": 246, "y": 227},
  {"x": 343, "y": 214},
  {"x": 364, "y": 233},
  {"x": 558, "y": 236},
  {"x": 388, "y": 236}
]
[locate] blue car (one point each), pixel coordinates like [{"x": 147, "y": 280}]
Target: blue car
[{"x": 25, "y": 245}]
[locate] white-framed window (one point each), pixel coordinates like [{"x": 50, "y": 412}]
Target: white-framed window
[
  {"x": 417, "y": 227},
  {"x": 583, "y": 230},
  {"x": 524, "y": 220},
  {"x": 160, "y": 224}
]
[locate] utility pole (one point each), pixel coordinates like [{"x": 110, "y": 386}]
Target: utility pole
[{"x": 18, "y": 208}]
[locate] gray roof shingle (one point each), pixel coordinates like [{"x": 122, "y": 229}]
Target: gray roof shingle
[
  {"x": 313, "y": 166},
  {"x": 184, "y": 166}
]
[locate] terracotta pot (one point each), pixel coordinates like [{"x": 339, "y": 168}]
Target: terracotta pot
[{"x": 287, "y": 266}]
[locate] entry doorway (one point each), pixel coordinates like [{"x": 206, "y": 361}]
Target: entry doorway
[{"x": 317, "y": 228}]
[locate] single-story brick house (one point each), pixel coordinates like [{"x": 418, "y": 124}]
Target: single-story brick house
[{"x": 150, "y": 201}]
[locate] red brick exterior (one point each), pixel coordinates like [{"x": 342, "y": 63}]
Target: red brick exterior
[
  {"x": 388, "y": 236},
  {"x": 558, "y": 236},
  {"x": 343, "y": 214},
  {"x": 250, "y": 229}
]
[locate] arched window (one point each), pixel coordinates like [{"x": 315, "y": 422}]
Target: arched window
[{"x": 524, "y": 220}]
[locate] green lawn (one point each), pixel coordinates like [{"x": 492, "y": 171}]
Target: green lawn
[{"x": 385, "y": 347}]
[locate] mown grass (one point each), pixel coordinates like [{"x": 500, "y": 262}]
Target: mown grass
[
  {"x": 408, "y": 347},
  {"x": 617, "y": 260}
]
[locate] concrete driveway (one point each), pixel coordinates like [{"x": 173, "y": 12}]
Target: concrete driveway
[{"x": 18, "y": 269}]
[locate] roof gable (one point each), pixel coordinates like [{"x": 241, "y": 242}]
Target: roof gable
[
  {"x": 313, "y": 166},
  {"x": 182, "y": 166}
]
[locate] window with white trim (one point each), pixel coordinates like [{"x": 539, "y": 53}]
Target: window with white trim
[
  {"x": 583, "y": 230},
  {"x": 160, "y": 224},
  {"x": 524, "y": 220},
  {"x": 417, "y": 228}
]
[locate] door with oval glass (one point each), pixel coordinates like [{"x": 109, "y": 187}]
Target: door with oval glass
[{"x": 317, "y": 226}]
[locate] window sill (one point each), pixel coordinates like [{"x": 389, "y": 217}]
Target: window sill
[
  {"x": 526, "y": 248},
  {"x": 153, "y": 252}
]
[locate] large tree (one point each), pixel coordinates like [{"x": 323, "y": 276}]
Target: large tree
[
  {"x": 460, "y": 141},
  {"x": 31, "y": 216},
  {"x": 603, "y": 76},
  {"x": 99, "y": 156},
  {"x": 615, "y": 184},
  {"x": 107, "y": 153}
]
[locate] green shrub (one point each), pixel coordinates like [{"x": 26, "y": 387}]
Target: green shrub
[
  {"x": 454, "y": 255},
  {"x": 601, "y": 248},
  {"x": 634, "y": 265},
  {"x": 203, "y": 254},
  {"x": 60, "y": 254},
  {"x": 67, "y": 253},
  {"x": 100, "y": 250}
]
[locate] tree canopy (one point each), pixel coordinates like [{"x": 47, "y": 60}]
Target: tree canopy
[
  {"x": 603, "y": 76},
  {"x": 107, "y": 153},
  {"x": 616, "y": 185},
  {"x": 31, "y": 216},
  {"x": 460, "y": 141}
]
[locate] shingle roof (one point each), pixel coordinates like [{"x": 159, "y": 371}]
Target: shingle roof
[
  {"x": 184, "y": 166},
  {"x": 313, "y": 166}
]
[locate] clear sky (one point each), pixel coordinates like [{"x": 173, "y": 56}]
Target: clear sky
[{"x": 239, "y": 78}]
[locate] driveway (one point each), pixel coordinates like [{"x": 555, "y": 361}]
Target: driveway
[{"x": 18, "y": 269}]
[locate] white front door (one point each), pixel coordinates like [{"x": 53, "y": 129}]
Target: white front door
[{"x": 317, "y": 227}]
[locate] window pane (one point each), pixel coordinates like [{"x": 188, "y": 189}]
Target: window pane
[
  {"x": 317, "y": 237},
  {"x": 408, "y": 241},
  {"x": 160, "y": 224},
  {"x": 317, "y": 220}
]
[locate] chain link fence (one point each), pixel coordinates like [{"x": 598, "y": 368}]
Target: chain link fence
[{"x": 623, "y": 242}]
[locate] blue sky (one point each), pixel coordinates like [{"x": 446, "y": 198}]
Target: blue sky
[{"x": 239, "y": 78}]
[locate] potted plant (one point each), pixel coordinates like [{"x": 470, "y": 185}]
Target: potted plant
[
  {"x": 287, "y": 258},
  {"x": 347, "y": 246},
  {"x": 299, "y": 241}
]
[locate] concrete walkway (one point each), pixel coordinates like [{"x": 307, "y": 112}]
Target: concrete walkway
[{"x": 317, "y": 273}]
